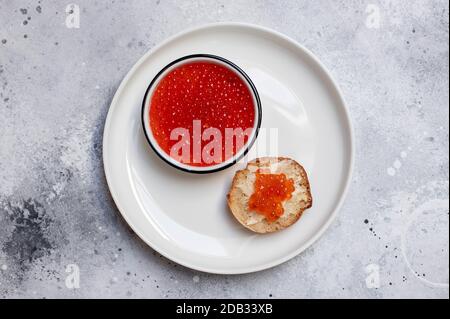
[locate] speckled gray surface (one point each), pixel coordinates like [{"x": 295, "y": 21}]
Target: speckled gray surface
[{"x": 56, "y": 84}]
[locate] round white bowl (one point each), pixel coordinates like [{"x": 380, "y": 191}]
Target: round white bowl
[{"x": 146, "y": 105}]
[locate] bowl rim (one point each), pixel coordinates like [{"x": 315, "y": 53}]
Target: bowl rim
[{"x": 212, "y": 168}]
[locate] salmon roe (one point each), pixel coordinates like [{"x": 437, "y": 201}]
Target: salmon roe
[
  {"x": 205, "y": 91},
  {"x": 270, "y": 190}
]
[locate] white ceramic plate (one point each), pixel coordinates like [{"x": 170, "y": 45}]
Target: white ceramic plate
[{"x": 184, "y": 216}]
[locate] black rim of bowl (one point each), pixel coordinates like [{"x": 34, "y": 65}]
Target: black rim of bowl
[{"x": 237, "y": 69}]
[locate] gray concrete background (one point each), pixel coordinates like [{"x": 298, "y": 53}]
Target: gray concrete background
[{"x": 56, "y": 85}]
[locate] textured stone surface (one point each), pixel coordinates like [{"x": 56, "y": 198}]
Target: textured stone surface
[{"x": 56, "y": 85}]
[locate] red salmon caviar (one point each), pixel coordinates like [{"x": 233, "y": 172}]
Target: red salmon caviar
[
  {"x": 205, "y": 91},
  {"x": 270, "y": 190}
]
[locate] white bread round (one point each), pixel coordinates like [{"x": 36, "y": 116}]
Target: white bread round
[{"x": 242, "y": 188}]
